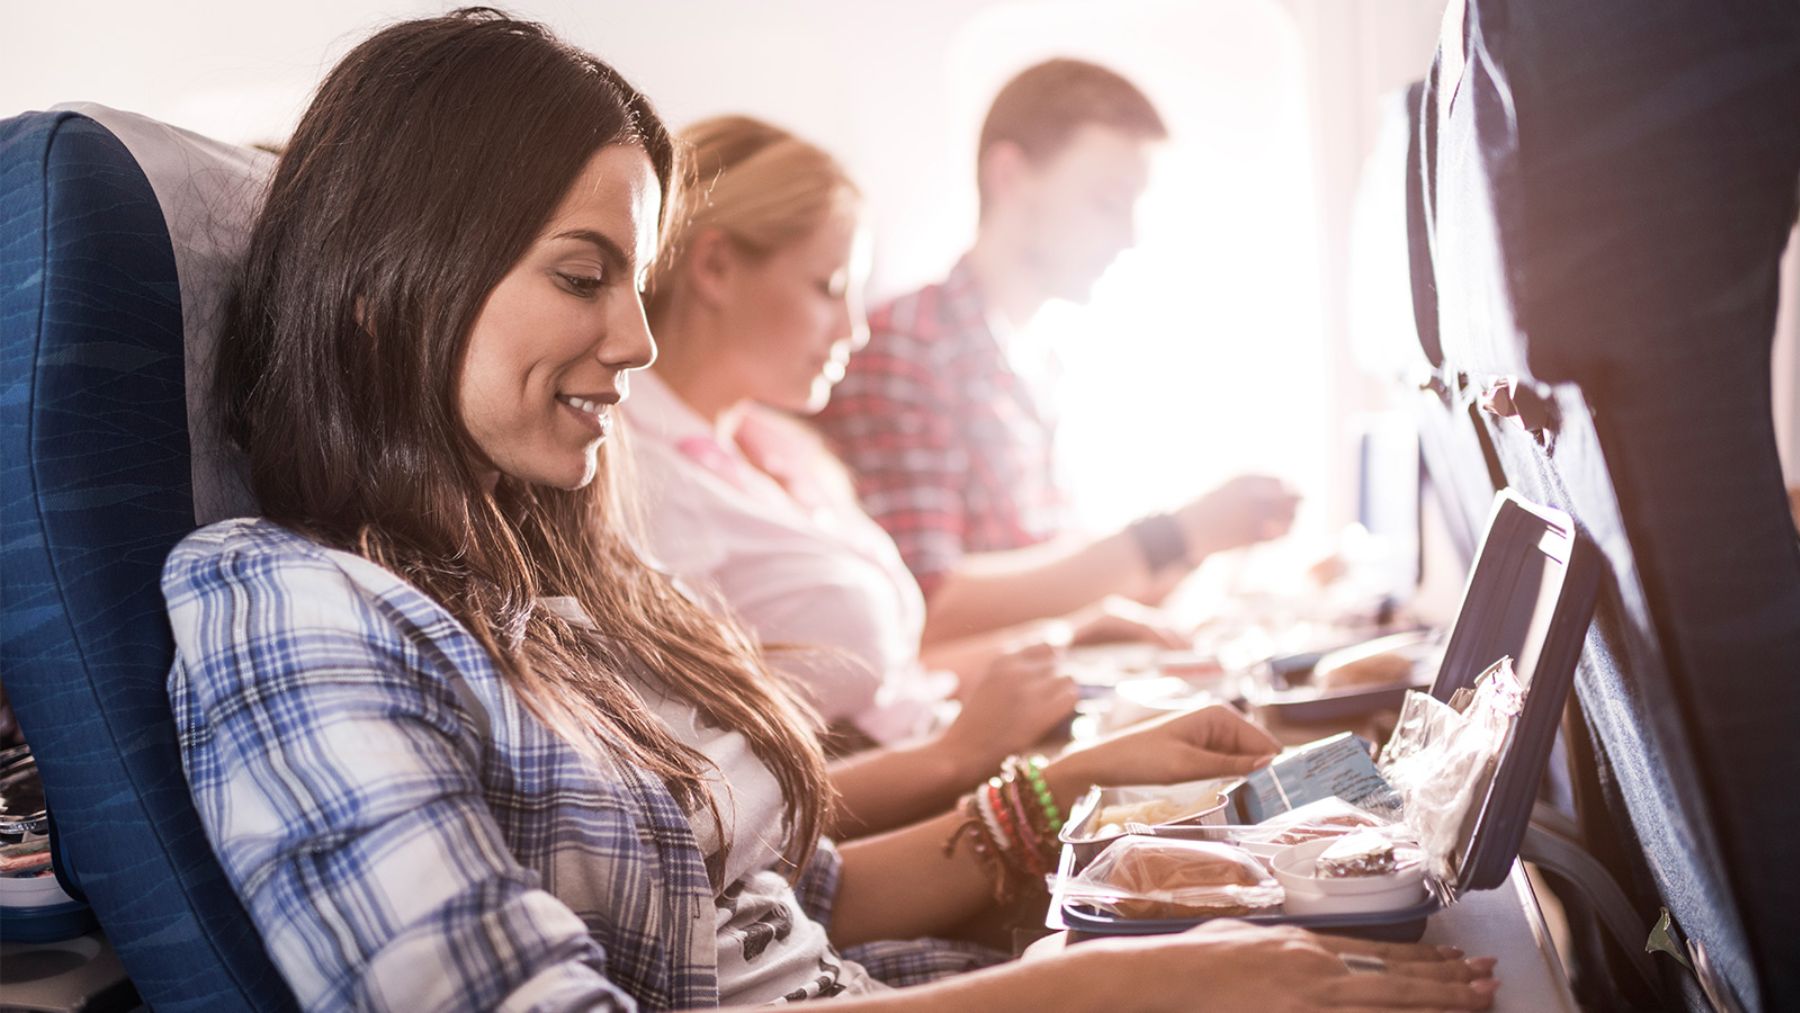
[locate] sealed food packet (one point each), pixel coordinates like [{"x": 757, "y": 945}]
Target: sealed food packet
[
  {"x": 1142, "y": 877},
  {"x": 1441, "y": 759}
]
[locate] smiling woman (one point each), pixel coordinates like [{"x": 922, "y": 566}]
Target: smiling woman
[{"x": 547, "y": 356}]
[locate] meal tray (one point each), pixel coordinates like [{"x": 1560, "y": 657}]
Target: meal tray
[{"x": 1529, "y": 596}]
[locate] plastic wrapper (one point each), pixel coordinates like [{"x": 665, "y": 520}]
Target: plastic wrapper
[
  {"x": 1152, "y": 877},
  {"x": 1441, "y": 760},
  {"x": 1328, "y": 817}
]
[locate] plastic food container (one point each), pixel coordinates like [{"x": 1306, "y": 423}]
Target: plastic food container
[
  {"x": 1307, "y": 894},
  {"x": 1286, "y": 691},
  {"x": 1089, "y": 922},
  {"x": 1202, "y": 803}
]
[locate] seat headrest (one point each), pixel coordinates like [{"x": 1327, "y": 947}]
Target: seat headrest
[{"x": 209, "y": 193}]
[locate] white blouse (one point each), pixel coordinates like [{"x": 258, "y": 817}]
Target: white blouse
[
  {"x": 769, "y": 950},
  {"x": 796, "y": 560}
]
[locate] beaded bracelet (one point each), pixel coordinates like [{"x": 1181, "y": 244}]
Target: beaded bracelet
[
  {"x": 997, "y": 806},
  {"x": 991, "y": 820},
  {"x": 1033, "y": 769},
  {"x": 1029, "y": 854}
]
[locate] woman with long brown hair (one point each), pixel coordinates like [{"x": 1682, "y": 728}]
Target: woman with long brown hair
[{"x": 455, "y": 745}]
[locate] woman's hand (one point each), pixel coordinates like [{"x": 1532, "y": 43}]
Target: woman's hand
[
  {"x": 1231, "y": 965},
  {"x": 1213, "y": 741},
  {"x": 1114, "y": 618},
  {"x": 1020, "y": 699}
]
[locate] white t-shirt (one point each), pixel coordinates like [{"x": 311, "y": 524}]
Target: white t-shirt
[
  {"x": 769, "y": 950},
  {"x": 796, "y": 560}
]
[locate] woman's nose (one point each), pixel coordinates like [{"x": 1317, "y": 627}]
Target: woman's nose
[
  {"x": 628, "y": 343},
  {"x": 855, "y": 324}
]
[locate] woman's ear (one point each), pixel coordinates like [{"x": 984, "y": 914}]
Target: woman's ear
[{"x": 713, "y": 266}]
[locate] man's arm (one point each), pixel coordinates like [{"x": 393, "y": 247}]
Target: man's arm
[{"x": 993, "y": 590}]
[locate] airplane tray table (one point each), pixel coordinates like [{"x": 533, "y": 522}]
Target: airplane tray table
[{"x": 1505, "y": 923}]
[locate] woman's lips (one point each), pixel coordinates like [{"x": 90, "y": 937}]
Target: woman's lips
[{"x": 595, "y": 415}]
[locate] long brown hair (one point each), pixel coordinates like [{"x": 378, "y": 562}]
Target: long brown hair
[{"x": 425, "y": 167}]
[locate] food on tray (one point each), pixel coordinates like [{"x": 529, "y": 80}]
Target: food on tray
[
  {"x": 1382, "y": 662},
  {"x": 1113, "y": 818},
  {"x": 1336, "y": 824},
  {"x": 1151, "y": 877},
  {"x": 1358, "y": 854}
]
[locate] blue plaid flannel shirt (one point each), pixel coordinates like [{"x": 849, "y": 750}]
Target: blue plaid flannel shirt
[{"x": 403, "y": 833}]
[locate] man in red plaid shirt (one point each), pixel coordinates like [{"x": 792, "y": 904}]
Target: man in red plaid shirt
[{"x": 943, "y": 417}]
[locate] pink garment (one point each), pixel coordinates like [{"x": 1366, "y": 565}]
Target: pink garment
[{"x": 782, "y": 544}]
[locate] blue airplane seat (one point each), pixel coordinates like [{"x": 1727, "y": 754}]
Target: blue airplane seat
[
  {"x": 118, "y": 238},
  {"x": 1605, "y": 190}
]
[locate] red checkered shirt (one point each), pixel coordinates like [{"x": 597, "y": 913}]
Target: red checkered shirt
[{"x": 950, "y": 449}]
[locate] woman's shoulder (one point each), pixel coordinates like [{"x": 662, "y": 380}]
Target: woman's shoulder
[
  {"x": 230, "y": 555},
  {"x": 245, "y": 536},
  {"x": 240, "y": 546}
]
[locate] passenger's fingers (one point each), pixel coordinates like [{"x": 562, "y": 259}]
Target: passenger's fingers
[
  {"x": 1041, "y": 651},
  {"x": 1163, "y": 636},
  {"x": 1234, "y": 733},
  {"x": 1062, "y": 694},
  {"x": 1389, "y": 951},
  {"x": 1226, "y": 764},
  {"x": 1444, "y": 970},
  {"x": 1389, "y": 990}
]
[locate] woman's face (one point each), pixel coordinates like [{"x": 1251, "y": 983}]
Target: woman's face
[
  {"x": 797, "y": 314},
  {"x": 548, "y": 355}
]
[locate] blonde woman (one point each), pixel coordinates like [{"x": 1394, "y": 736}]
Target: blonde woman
[
  {"x": 756, "y": 309},
  {"x": 455, "y": 746}
]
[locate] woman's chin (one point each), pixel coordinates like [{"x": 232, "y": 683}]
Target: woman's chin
[
  {"x": 816, "y": 399},
  {"x": 569, "y": 475}
]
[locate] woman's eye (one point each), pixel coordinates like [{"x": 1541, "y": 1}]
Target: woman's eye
[{"x": 581, "y": 284}]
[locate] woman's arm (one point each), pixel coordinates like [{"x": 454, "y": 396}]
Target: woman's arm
[
  {"x": 1014, "y": 707},
  {"x": 988, "y": 591},
  {"x": 1109, "y": 620},
  {"x": 1224, "y": 965},
  {"x": 339, "y": 790},
  {"x": 901, "y": 884}
]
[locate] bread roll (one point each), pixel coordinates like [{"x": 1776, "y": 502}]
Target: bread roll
[
  {"x": 1381, "y": 662},
  {"x": 1180, "y": 879},
  {"x": 1151, "y": 812}
]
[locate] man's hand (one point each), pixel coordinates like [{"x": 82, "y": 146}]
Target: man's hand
[{"x": 1245, "y": 510}]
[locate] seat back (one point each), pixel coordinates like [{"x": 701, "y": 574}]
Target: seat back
[
  {"x": 1605, "y": 190},
  {"x": 119, "y": 238}
]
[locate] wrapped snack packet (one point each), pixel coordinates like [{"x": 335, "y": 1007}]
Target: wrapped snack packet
[
  {"x": 1441, "y": 760},
  {"x": 1151, "y": 877}
]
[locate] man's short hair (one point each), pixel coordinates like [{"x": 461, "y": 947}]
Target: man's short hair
[{"x": 1043, "y": 107}]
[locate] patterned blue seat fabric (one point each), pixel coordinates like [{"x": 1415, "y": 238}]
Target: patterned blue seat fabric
[{"x": 95, "y": 488}]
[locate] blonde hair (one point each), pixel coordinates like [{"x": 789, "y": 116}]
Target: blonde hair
[{"x": 760, "y": 185}]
